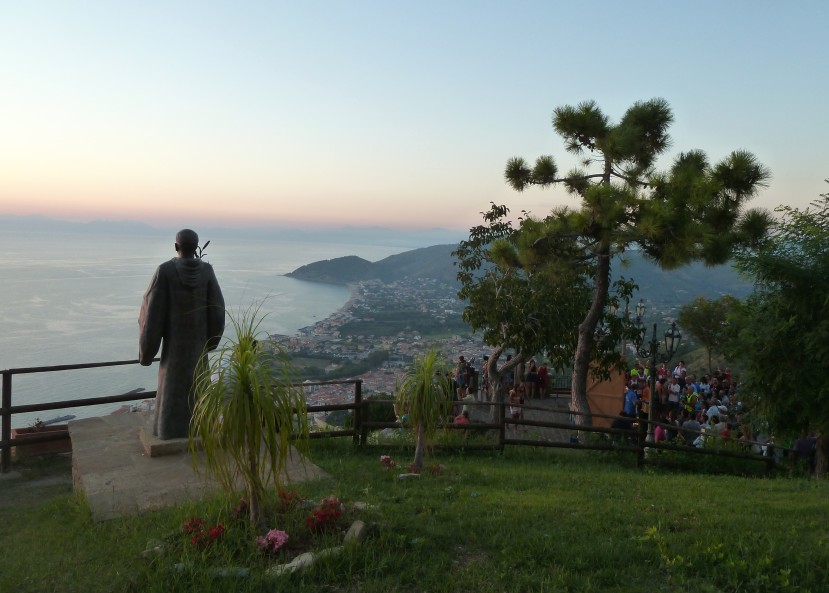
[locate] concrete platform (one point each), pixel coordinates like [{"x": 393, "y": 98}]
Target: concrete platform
[{"x": 112, "y": 468}]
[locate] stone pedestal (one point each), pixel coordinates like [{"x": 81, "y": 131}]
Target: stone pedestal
[{"x": 156, "y": 447}]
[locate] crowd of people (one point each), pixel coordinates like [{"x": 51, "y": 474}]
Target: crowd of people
[
  {"x": 694, "y": 409},
  {"x": 531, "y": 381},
  {"x": 686, "y": 408}
]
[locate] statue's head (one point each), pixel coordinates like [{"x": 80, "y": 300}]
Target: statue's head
[{"x": 187, "y": 242}]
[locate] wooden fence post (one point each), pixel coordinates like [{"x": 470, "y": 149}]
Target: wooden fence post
[
  {"x": 358, "y": 411},
  {"x": 502, "y": 422},
  {"x": 6, "y": 423}
]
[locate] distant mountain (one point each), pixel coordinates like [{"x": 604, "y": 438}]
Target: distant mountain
[
  {"x": 659, "y": 287},
  {"x": 375, "y": 235},
  {"x": 37, "y": 223},
  {"x": 428, "y": 262},
  {"x": 670, "y": 287}
]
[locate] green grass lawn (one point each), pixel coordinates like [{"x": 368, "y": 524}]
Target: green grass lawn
[{"x": 525, "y": 520}]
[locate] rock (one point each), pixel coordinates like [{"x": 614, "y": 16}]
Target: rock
[
  {"x": 357, "y": 532},
  {"x": 408, "y": 476}
]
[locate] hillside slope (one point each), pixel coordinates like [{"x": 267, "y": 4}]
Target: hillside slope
[
  {"x": 660, "y": 287},
  {"x": 428, "y": 262}
]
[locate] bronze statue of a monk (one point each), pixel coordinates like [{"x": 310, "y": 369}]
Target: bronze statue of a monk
[{"x": 183, "y": 312}]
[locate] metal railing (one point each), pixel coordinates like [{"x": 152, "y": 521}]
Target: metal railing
[{"x": 7, "y": 410}]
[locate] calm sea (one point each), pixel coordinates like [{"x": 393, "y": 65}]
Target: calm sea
[{"x": 68, "y": 298}]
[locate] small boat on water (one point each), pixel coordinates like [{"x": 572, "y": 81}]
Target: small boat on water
[
  {"x": 147, "y": 405},
  {"x": 58, "y": 420}
]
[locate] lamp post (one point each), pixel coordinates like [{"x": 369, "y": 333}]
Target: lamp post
[{"x": 672, "y": 339}]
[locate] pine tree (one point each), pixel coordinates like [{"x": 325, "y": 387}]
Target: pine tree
[{"x": 692, "y": 211}]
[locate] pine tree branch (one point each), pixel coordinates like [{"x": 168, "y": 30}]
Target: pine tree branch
[
  {"x": 565, "y": 179},
  {"x": 627, "y": 178}
]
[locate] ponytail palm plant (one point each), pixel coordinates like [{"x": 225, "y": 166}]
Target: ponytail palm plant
[
  {"x": 426, "y": 395},
  {"x": 247, "y": 414}
]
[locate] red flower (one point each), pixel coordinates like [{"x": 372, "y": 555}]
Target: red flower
[
  {"x": 288, "y": 500},
  {"x": 324, "y": 516},
  {"x": 202, "y": 536},
  {"x": 193, "y": 525},
  {"x": 218, "y": 531}
]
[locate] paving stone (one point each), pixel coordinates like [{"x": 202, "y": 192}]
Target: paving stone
[{"x": 112, "y": 468}]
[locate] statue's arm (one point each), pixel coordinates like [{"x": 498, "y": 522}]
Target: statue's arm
[
  {"x": 215, "y": 312},
  {"x": 152, "y": 319}
]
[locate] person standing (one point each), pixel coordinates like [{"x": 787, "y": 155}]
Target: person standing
[
  {"x": 183, "y": 313},
  {"x": 460, "y": 378},
  {"x": 631, "y": 401},
  {"x": 543, "y": 380},
  {"x": 531, "y": 380}
]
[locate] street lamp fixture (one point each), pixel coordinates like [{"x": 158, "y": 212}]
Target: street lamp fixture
[{"x": 640, "y": 309}]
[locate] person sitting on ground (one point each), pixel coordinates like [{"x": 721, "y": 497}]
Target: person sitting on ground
[
  {"x": 401, "y": 415},
  {"x": 718, "y": 427},
  {"x": 713, "y": 410},
  {"x": 674, "y": 425},
  {"x": 470, "y": 397},
  {"x": 659, "y": 432},
  {"x": 462, "y": 418},
  {"x": 690, "y": 428}
]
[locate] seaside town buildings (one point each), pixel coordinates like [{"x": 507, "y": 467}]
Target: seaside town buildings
[{"x": 404, "y": 319}]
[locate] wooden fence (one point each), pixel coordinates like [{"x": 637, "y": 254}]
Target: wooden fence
[
  {"x": 550, "y": 423},
  {"x": 544, "y": 423}
]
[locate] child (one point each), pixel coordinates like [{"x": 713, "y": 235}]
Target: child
[{"x": 514, "y": 402}]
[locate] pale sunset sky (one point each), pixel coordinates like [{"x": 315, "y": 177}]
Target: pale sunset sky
[{"x": 398, "y": 114}]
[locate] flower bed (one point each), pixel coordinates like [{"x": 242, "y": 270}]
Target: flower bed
[
  {"x": 24, "y": 450},
  {"x": 299, "y": 532}
]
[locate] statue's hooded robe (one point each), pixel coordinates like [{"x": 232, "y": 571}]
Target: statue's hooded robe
[{"x": 183, "y": 312}]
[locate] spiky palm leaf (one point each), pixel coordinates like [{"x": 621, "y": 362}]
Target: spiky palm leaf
[
  {"x": 426, "y": 395},
  {"x": 247, "y": 413}
]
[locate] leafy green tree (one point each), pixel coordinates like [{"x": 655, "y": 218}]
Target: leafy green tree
[
  {"x": 247, "y": 414},
  {"x": 511, "y": 302},
  {"x": 692, "y": 211},
  {"x": 522, "y": 299},
  {"x": 784, "y": 333},
  {"x": 426, "y": 395},
  {"x": 708, "y": 322}
]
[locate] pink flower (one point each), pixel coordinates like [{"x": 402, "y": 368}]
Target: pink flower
[
  {"x": 387, "y": 461},
  {"x": 273, "y": 541}
]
